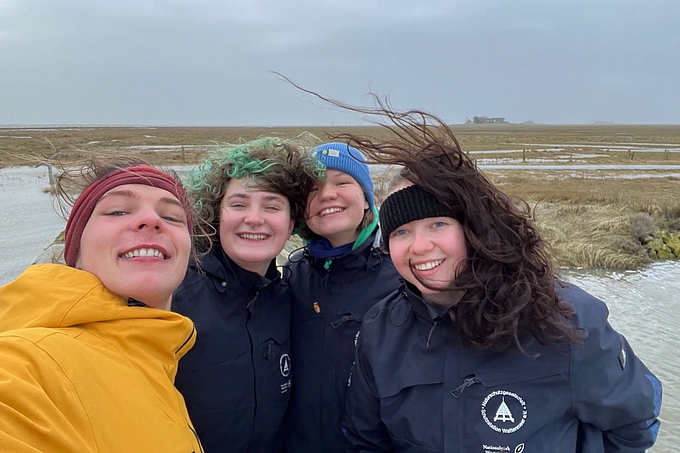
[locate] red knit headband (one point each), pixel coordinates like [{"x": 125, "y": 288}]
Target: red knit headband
[{"x": 86, "y": 202}]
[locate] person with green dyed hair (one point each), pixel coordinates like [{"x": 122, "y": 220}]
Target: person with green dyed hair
[{"x": 237, "y": 380}]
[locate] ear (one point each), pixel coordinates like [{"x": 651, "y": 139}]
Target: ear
[
  {"x": 291, "y": 226},
  {"x": 366, "y": 206}
]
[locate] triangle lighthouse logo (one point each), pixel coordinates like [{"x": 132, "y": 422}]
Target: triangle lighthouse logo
[{"x": 503, "y": 413}]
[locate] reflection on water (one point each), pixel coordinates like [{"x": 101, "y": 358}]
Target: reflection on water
[
  {"x": 28, "y": 222},
  {"x": 588, "y": 167},
  {"x": 644, "y": 306}
]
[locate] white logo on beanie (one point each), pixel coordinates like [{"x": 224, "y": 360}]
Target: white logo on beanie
[{"x": 333, "y": 152}]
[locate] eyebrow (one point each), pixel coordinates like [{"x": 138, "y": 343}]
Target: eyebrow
[
  {"x": 132, "y": 194},
  {"x": 120, "y": 193},
  {"x": 340, "y": 176},
  {"x": 268, "y": 197}
]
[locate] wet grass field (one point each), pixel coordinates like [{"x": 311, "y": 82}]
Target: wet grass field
[{"x": 584, "y": 213}]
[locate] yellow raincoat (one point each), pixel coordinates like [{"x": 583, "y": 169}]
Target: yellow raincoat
[{"x": 81, "y": 371}]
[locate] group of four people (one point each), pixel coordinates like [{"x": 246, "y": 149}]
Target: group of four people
[{"x": 446, "y": 328}]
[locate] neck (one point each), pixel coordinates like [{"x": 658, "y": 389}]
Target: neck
[
  {"x": 158, "y": 304},
  {"x": 258, "y": 268},
  {"x": 341, "y": 239},
  {"x": 443, "y": 299}
]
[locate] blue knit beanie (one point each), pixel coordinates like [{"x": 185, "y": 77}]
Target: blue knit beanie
[{"x": 341, "y": 157}]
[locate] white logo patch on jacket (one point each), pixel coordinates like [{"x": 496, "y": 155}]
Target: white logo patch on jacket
[
  {"x": 284, "y": 365},
  {"x": 504, "y": 412}
]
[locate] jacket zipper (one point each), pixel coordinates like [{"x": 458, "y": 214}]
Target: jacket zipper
[
  {"x": 193, "y": 332},
  {"x": 326, "y": 276},
  {"x": 252, "y": 363},
  {"x": 191, "y": 335},
  {"x": 197, "y": 439},
  {"x": 429, "y": 335},
  {"x": 250, "y": 303}
]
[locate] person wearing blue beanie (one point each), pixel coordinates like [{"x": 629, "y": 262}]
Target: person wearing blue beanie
[
  {"x": 347, "y": 159},
  {"x": 335, "y": 279},
  {"x": 353, "y": 218}
]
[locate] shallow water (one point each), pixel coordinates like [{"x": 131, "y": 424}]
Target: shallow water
[
  {"x": 622, "y": 147},
  {"x": 28, "y": 222},
  {"x": 644, "y": 305},
  {"x": 577, "y": 167}
]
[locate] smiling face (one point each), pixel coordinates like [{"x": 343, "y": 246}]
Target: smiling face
[
  {"x": 335, "y": 208},
  {"x": 254, "y": 225},
  {"x": 137, "y": 243},
  {"x": 431, "y": 250}
]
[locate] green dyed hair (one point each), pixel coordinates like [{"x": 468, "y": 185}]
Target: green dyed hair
[{"x": 267, "y": 163}]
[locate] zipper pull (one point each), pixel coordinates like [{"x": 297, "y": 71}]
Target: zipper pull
[
  {"x": 327, "y": 264},
  {"x": 429, "y": 336},
  {"x": 457, "y": 392},
  {"x": 268, "y": 352},
  {"x": 249, "y": 305},
  {"x": 344, "y": 318}
]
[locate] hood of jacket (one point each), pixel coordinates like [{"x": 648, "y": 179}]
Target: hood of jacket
[{"x": 57, "y": 296}]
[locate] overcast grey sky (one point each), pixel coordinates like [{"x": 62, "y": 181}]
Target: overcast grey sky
[{"x": 207, "y": 62}]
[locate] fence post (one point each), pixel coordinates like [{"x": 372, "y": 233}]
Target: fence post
[{"x": 50, "y": 171}]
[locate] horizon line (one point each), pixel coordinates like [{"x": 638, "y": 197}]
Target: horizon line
[{"x": 37, "y": 126}]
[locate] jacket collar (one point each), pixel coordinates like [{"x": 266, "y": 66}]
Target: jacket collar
[
  {"x": 220, "y": 266},
  {"x": 363, "y": 257},
  {"x": 420, "y": 307}
]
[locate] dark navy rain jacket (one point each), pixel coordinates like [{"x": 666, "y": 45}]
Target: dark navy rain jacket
[
  {"x": 329, "y": 303},
  {"x": 416, "y": 388},
  {"x": 236, "y": 380}
]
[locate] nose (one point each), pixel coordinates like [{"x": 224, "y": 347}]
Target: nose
[
  {"x": 253, "y": 217},
  {"x": 327, "y": 192},
  {"x": 421, "y": 243},
  {"x": 148, "y": 219}
]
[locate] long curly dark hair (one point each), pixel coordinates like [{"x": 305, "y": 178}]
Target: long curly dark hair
[{"x": 508, "y": 278}]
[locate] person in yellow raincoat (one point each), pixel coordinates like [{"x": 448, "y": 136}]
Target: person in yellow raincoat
[{"x": 89, "y": 350}]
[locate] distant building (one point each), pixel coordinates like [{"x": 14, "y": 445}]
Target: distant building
[{"x": 487, "y": 120}]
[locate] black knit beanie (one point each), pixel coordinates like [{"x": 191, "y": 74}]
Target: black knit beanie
[{"x": 407, "y": 205}]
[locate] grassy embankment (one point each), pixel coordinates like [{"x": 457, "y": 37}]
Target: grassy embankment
[{"x": 590, "y": 218}]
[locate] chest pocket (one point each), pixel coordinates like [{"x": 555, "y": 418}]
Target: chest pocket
[
  {"x": 517, "y": 399},
  {"x": 274, "y": 355},
  {"x": 216, "y": 342},
  {"x": 409, "y": 380}
]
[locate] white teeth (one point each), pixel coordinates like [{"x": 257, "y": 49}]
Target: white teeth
[
  {"x": 428, "y": 266},
  {"x": 143, "y": 253},
  {"x": 253, "y": 237},
  {"x": 329, "y": 211}
]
